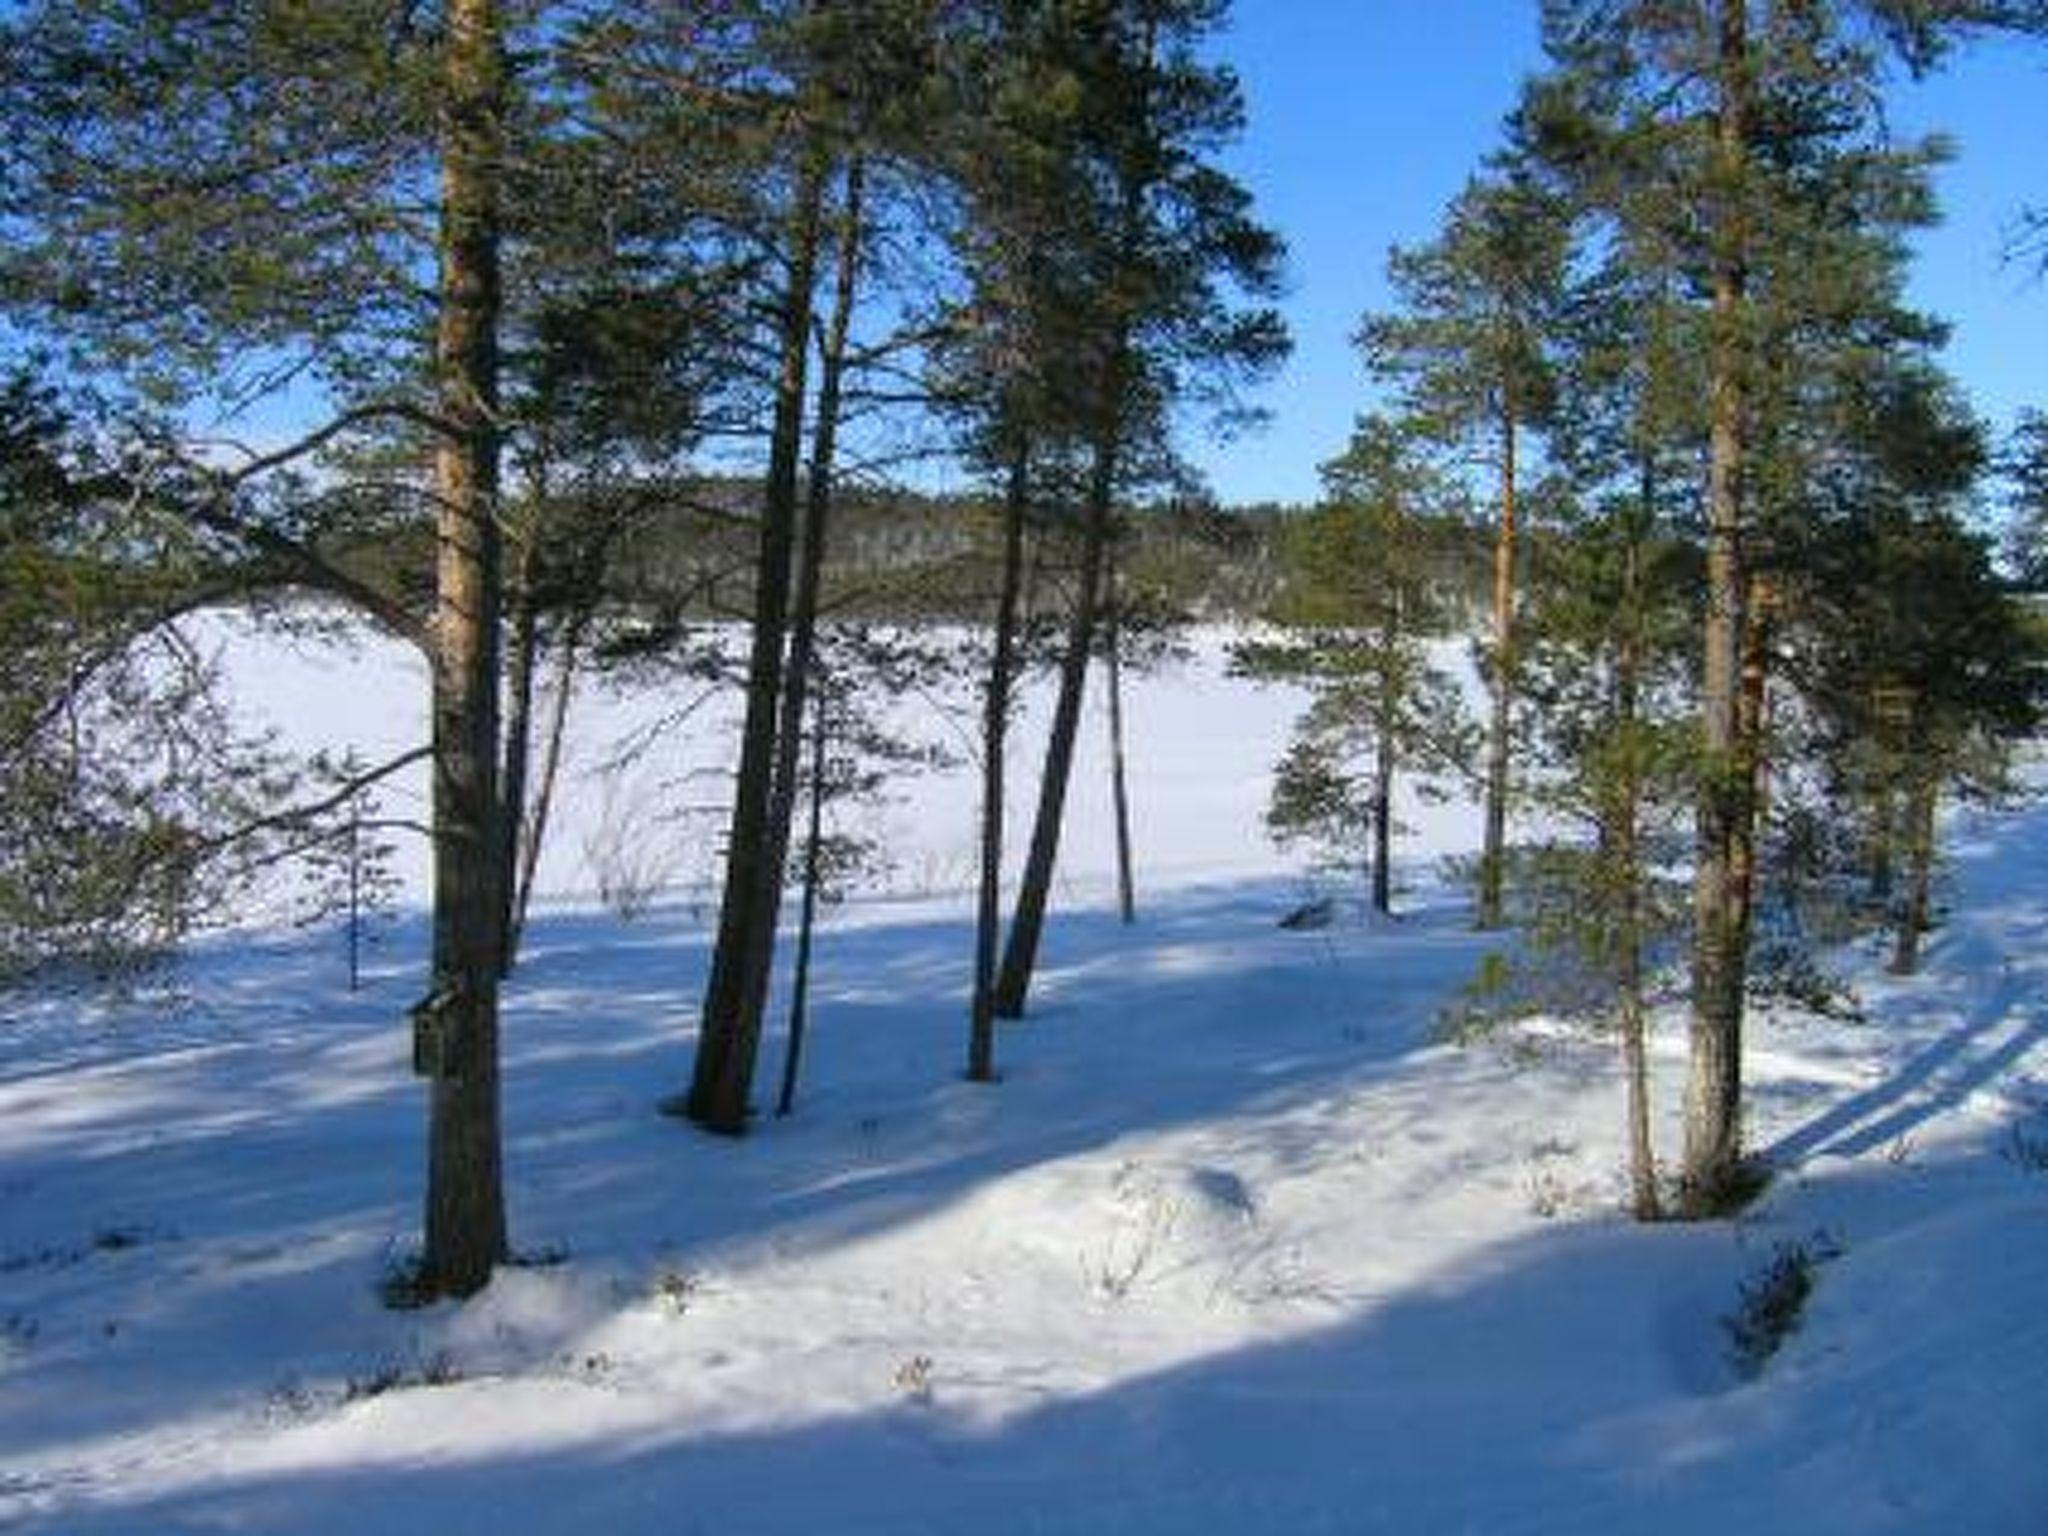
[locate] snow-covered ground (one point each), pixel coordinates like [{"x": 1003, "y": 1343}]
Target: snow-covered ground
[{"x": 1235, "y": 1246}]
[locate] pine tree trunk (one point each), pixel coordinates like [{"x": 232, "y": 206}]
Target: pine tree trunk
[
  {"x": 1624, "y": 837},
  {"x": 803, "y": 638},
  {"x": 1753, "y": 755},
  {"x": 1383, "y": 829},
  {"x": 1713, "y": 1105},
  {"x": 1916, "y": 919},
  {"x": 1027, "y": 924},
  {"x": 568, "y": 649},
  {"x": 522, "y": 646},
  {"x": 1120, "y": 797},
  {"x": 1879, "y": 840},
  {"x": 465, "y": 1208},
  {"x": 723, "y": 1073},
  {"x": 1493, "y": 852},
  {"x": 807, "y": 922},
  {"x": 995, "y": 720}
]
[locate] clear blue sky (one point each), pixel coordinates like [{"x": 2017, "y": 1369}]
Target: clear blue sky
[{"x": 1366, "y": 116}]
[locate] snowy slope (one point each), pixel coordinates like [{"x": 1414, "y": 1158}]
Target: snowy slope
[{"x": 1233, "y": 1247}]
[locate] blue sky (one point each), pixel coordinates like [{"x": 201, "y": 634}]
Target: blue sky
[{"x": 1366, "y": 116}]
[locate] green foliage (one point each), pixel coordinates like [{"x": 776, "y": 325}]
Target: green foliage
[
  {"x": 122, "y": 773},
  {"x": 2024, "y": 465},
  {"x": 1360, "y": 597},
  {"x": 1773, "y": 1301}
]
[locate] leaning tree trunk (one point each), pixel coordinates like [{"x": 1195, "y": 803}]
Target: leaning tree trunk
[
  {"x": 1119, "y": 783},
  {"x": 457, "y": 1026},
  {"x": 1713, "y": 1105},
  {"x": 1027, "y": 924},
  {"x": 1493, "y": 851},
  {"x": 995, "y": 725},
  {"x": 726, "y": 1049},
  {"x": 522, "y": 651},
  {"x": 807, "y": 922},
  {"x": 568, "y": 648}
]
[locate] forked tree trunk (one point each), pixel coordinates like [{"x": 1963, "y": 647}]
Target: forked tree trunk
[
  {"x": 568, "y": 649},
  {"x": 1027, "y": 925},
  {"x": 995, "y": 723},
  {"x": 803, "y": 637},
  {"x": 722, "y": 1076},
  {"x": 1713, "y": 1103},
  {"x": 1119, "y": 786},
  {"x": 1493, "y": 850},
  {"x": 457, "y": 1026}
]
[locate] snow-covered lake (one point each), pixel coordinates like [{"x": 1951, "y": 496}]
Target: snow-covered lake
[
  {"x": 1201, "y": 745},
  {"x": 1236, "y": 1246}
]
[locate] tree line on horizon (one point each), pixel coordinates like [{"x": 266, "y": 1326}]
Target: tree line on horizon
[{"x": 548, "y": 287}]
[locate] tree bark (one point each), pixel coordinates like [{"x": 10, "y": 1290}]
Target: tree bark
[
  {"x": 1914, "y": 921},
  {"x": 1383, "y": 828},
  {"x": 995, "y": 723},
  {"x": 726, "y": 1048},
  {"x": 1493, "y": 852},
  {"x": 803, "y": 638},
  {"x": 568, "y": 649},
  {"x": 1624, "y": 836},
  {"x": 1752, "y": 753},
  {"x": 1027, "y": 924},
  {"x": 522, "y": 646},
  {"x": 1119, "y": 786},
  {"x": 465, "y": 1209},
  {"x": 1713, "y": 1105},
  {"x": 800, "y": 981}
]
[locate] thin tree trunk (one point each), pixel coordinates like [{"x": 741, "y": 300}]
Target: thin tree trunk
[
  {"x": 567, "y": 652},
  {"x": 803, "y": 638},
  {"x": 355, "y": 897},
  {"x": 1753, "y": 726},
  {"x": 522, "y": 645},
  {"x": 1383, "y": 829},
  {"x": 1881, "y": 836},
  {"x": 800, "y": 983},
  {"x": 1915, "y": 920},
  {"x": 1027, "y": 924},
  {"x": 1120, "y": 797},
  {"x": 995, "y": 723},
  {"x": 1625, "y": 836},
  {"x": 1713, "y": 1105},
  {"x": 458, "y": 1024},
  {"x": 1493, "y": 853},
  {"x": 723, "y": 1071}
]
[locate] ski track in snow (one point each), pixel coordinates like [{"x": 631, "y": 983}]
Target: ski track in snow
[{"x": 1234, "y": 1246}]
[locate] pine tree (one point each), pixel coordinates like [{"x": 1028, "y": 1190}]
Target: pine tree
[
  {"x": 1171, "y": 270},
  {"x": 1362, "y": 597},
  {"x": 248, "y": 213},
  {"x": 1468, "y": 345},
  {"x": 1738, "y": 141}
]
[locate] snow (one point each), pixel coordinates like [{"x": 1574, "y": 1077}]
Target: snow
[{"x": 1236, "y": 1245}]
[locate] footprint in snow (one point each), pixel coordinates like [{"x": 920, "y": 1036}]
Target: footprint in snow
[{"x": 1225, "y": 1191}]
